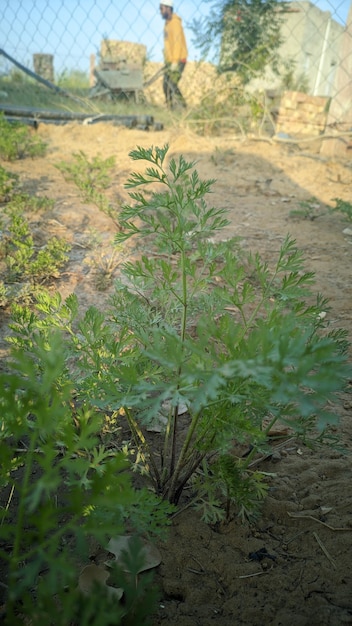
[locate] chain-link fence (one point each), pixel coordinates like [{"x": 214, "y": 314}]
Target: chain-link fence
[{"x": 269, "y": 44}]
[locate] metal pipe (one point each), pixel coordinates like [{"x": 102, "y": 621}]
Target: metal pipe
[{"x": 18, "y": 113}]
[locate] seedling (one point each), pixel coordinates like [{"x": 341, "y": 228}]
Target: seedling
[
  {"x": 92, "y": 179},
  {"x": 17, "y": 141},
  {"x": 22, "y": 258},
  {"x": 7, "y": 184},
  {"x": 104, "y": 266},
  {"x": 344, "y": 207},
  {"x": 309, "y": 210}
]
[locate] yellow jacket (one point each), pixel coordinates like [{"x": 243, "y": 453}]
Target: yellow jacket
[{"x": 175, "y": 47}]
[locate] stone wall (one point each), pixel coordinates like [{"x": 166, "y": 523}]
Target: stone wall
[
  {"x": 114, "y": 50},
  {"x": 300, "y": 114},
  {"x": 198, "y": 81}
]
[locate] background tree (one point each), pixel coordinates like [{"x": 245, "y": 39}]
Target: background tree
[{"x": 244, "y": 34}]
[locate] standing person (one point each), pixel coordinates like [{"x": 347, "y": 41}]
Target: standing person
[{"x": 175, "y": 54}]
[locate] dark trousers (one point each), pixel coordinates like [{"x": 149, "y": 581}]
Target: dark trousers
[{"x": 173, "y": 95}]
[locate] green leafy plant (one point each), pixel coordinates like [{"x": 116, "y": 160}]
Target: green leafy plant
[
  {"x": 92, "y": 179},
  {"x": 22, "y": 258},
  {"x": 17, "y": 141},
  {"x": 202, "y": 343},
  {"x": 104, "y": 266},
  {"x": 309, "y": 210},
  {"x": 61, "y": 491},
  {"x": 7, "y": 184},
  {"x": 343, "y": 207},
  {"x": 229, "y": 367},
  {"x": 229, "y": 481}
]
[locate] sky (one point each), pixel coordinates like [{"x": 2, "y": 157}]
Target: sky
[{"x": 71, "y": 30}]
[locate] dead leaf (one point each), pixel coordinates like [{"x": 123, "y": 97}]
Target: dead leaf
[
  {"x": 92, "y": 575},
  {"x": 151, "y": 554},
  {"x": 160, "y": 421}
]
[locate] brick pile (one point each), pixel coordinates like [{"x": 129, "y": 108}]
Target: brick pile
[{"x": 300, "y": 114}]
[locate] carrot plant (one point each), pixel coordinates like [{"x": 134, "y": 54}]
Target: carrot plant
[
  {"x": 7, "y": 184},
  {"x": 203, "y": 343},
  {"x": 18, "y": 141},
  {"x": 26, "y": 262},
  {"x": 62, "y": 492},
  {"x": 343, "y": 207},
  {"x": 93, "y": 178},
  {"x": 231, "y": 340}
]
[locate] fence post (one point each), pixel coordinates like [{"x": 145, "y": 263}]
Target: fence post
[
  {"x": 340, "y": 112},
  {"x": 92, "y": 78},
  {"x": 44, "y": 66}
]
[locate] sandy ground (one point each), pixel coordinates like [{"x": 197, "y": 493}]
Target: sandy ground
[{"x": 207, "y": 576}]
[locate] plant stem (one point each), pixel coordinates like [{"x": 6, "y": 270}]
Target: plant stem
[
  {"x": 183, "y": 335},
  {"x": 143, "y": 447},
  {"x": 16, "y": 556}
]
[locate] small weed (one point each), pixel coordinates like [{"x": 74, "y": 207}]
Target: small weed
[
  {"x": 223, "y": 157},
  {"x": 4, "y": 295},
  {"x": 343, "y": 207},
  {"x": 104, "y": 266},
  {"x": 17, "y": 141},
  {"x": 93, "y": 179},
  {"x": 310, "y": 210},
  {"x": 23, "y": 259},
  {"x": 27, "y": 204},
  {"x": 7, "y": 184}
]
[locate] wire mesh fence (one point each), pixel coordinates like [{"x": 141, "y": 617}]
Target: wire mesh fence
[{"x": 267, "y": 45}]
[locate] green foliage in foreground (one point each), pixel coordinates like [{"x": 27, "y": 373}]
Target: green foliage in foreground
[
  {"x": 17, "y": 141},
  {"x": 195, "y": 323},
  {"x": 63, "y": 490}
]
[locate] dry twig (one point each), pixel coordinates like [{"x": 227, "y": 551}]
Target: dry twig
[
  {"x": 319, "y": 541},
  {"x": 315, "y": 519}
]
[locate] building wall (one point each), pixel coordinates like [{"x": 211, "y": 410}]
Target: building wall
[
  {"x": 311, "y": 43},
  {"x": 312, "y": 39}
]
